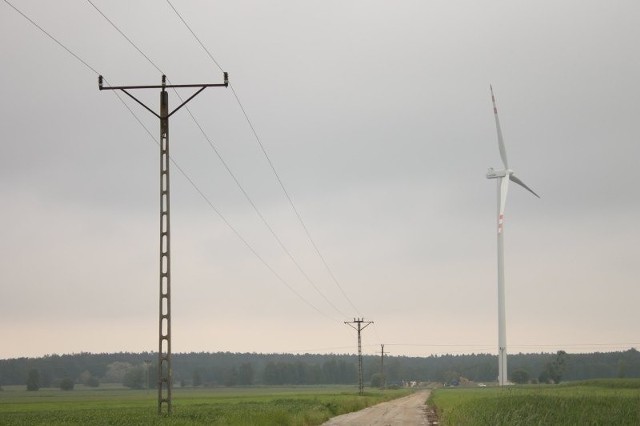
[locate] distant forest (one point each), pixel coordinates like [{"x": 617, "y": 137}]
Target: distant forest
[{"x": 245, "y": 369}]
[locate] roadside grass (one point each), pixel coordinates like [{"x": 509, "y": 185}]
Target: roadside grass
[
  {"x": 233, "y": 406},
  {"x": 593, "y": 402}
]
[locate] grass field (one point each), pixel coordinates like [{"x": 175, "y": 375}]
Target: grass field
[
  {"x": 595, "y": 402},
  {"x": 229, "y": 406}
]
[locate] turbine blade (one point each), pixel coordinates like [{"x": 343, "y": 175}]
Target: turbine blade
[
  {"x": 522, "y": 184},
  {"x": 503, "y": 151}
]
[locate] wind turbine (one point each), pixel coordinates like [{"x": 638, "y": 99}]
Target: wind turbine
[{"x": 503, "y": 177}]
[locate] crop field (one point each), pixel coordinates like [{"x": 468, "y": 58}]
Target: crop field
[
  {"x": 229, "y": 406},
  {"x": 594, "y": 402}
]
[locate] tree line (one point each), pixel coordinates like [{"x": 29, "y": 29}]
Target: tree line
[{"x": 138, "y": 370}]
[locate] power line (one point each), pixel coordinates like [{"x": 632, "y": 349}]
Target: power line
[
  {"x": 193, "y": 184},
  {"x": 251, "y": 249},
  {"x": 264, "y": 220},
  {"x": 194, "y": 35},
  {"x": 295, "y": 210},
  {"x": 264, "y": 151},
  {"x": 439, "y": 345},
  {"x": 124, "y": 35},
  {"x": 52, "y": 37},
  {"x": 226, "y": 222},
  {"x": 316, "y": 350},
  {"x": 224, "y": 163},
  {"x": 577, "y": 345},
  {"x": 523, "y": 345}
]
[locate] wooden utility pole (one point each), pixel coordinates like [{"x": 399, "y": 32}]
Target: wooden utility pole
[
  {"x": 359, "y": 327},
  {"x": 164, "y": 336}
]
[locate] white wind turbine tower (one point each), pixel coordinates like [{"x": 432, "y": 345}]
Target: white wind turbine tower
[{"x": 503, "y": 177}]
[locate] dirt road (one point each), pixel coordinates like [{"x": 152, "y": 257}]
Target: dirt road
[{"x": 407, "y": 411}]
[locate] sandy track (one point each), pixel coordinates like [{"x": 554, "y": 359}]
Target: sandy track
[{"x": 406, "y": 411}]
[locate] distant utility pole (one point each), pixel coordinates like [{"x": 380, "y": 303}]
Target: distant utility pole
[
  {"x": 382, "y": 377},
  {"x": 147, "y": 363},
  {"x": 359, "y": 327},
  {"x": 164, "y": 345}
]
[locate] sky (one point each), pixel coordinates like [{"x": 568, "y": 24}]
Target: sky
[{"x": 377, "y": 118}]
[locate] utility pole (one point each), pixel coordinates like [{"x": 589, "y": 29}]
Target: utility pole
[
  {"x": 147, "y": 363},
  {"x": 359, "y": 327},
  {"x": 164, "y": 335},
  {"x": 382, "y": 377}
]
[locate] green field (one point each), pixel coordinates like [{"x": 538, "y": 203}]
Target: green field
[
  {"x": 228, "y": 406},
  {"x": 595, "y": 402}
]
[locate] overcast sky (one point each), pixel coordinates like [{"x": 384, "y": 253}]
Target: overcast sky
[{"x": 377, "y": 117}]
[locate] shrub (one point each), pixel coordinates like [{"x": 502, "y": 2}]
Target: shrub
[
  {"x": 134, "y": 378},
  {"x": 520, "y": 376},
  {"x": 66, "y": 384},
  {"x": 33, "y": 380}
]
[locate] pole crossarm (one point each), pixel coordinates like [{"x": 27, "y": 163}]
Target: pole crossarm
[
  {"x": 358, "y": 321},
  {"x": 162, "y": 86}
]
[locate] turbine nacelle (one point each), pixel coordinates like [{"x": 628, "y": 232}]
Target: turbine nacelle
[
  {"x": 495, "y": 174},
  {"x": 508, "y": 173}
]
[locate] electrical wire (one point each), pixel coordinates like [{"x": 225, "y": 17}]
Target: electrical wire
[
  {"x": 124, "y": 35},
  {"x": 224, "y": 219},
  {"x": 295, "y": 210},
  {"x": 195, "y": 36},
  {"x": 512, "y": 345},
  {"x": 271, "y": 165},
  {"x": 224, "y": 163},
  {"x": 51, "y": 37},
  {"x": 193, "y": 184}
]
